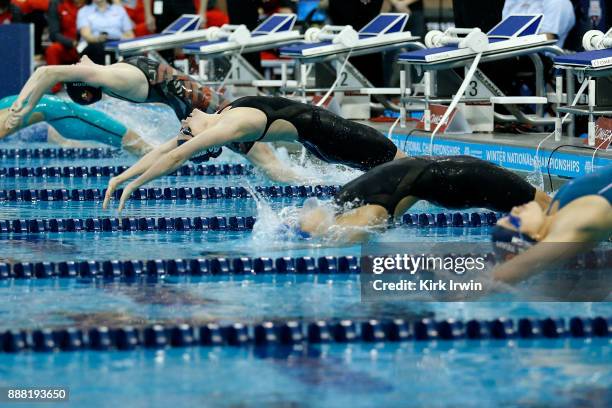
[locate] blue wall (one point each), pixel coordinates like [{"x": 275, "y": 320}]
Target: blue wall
[{"x": 16, "y": 55}]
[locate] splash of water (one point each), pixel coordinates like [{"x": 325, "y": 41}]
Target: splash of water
[
  {"x": 316, "y": 172},
  {"x": 154, "y": 122},
  {"x": 536, "y": 177},
  {"x": 273, "y": 226}
]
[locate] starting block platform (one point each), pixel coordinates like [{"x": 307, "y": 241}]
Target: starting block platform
[
  {"x": 514, "y": 36},
  {"x": 595, "y": 61},
  {"x": 276, "y": 31},
  {"x": 183, "y": 30},
  {"x": 385, "y": 32},
  {"x": 594, "y": 66}
]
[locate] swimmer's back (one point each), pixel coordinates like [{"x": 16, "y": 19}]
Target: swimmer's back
[
  {"x": 597, "y": 183},
  {"x": 326, "y": 135},
  {"x": 176, "y": 90},
  {"x": 455, "y": 182}
]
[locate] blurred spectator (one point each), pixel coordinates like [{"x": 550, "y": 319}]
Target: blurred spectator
[
  {"x": 141, "y": 14},
  {"x": 34, "y": 12},
  {"x": 416, "y": 23},
  {"x": 98, "y": 22},
  {"x": 484, "y": 14},
  {"x": 215, "y": 17},
  {"x": 9, "y": 13},
  {"x": 63, "y": 31},
  {"x": 278, "y": 6},
  {"x": 590, "y": 15},
  {"x": 167, "y": 11},
  {"x": 558, "y": 19}
]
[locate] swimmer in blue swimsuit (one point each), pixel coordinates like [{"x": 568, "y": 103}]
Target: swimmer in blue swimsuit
[
  {"x": 75, "y": 122},
  {"x": 578, "y": 219}
]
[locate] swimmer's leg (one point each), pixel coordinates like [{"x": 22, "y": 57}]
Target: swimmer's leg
[{"x": 53, "y": 136}]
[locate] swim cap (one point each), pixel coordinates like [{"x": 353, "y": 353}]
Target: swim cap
[
  {"x": 211, "y": 153},
  {"x": 507, "y": 242},
  {"x": 293, "y": 231},
  {"x": 82, "y": 93}
]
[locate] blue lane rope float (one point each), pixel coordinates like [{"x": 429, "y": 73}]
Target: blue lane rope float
[
  {"x": 216, "y": 223},
  {"x": 159, "y": 268},
  {"x": 168, "y": 193},
  {"x": 296, "y": 332},
  {"x": 69, "y": 153},
  {"x": 223, "y": 169},
  {"x": 134, "y": 269}
]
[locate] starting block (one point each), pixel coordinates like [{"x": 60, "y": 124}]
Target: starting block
[
  {"x": 181, "y": 31},
  {"x": 332, "y": 44},
  {"x": 516, "y": 35},
  {"x": 223, "y": 47},
  {"x": 595, "y": 66}
]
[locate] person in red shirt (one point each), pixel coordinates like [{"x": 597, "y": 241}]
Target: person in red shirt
[
  {"x": 63, "y": 32},
  {"x": 34, "y": 12},
  {"x": 9, "y": 13}
]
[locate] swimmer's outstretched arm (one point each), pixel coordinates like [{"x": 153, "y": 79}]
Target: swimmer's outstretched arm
[
  {"x": 263, "y": 157},
  {"x": 138, "y": 168},
  {"x": 44, "y": 78},
  {"x": 231, "y": 129},
  {"x": 573, "y": 234}
]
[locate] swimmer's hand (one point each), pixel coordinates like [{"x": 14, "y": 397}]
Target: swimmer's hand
[
  {"x": 127, "y": 192},
  {"x": 110, "y": 190},
  {"x": 15, "y": 116}
]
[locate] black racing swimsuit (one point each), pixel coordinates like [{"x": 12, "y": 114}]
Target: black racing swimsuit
[
  {"x": 455, "y": 182},
  {"x": 178, "y": 91},
  {"x": 328, "y": 136}
]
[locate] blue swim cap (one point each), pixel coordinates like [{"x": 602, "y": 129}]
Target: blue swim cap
[
  {"x": 507, "y": 242},
  {"x": 286, "y": 229}
]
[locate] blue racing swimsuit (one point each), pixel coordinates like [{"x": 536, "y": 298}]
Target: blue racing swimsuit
[
  {"x": 74, "y": 121},
  {"x": 598, "y": 183}
]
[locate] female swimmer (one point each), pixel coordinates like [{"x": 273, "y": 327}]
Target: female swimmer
[
  {"x": 249, "y": 120},
  {"x": 136, "y": 79},
  {"x": 75, "y": 122},
  {"x": 577, "y": 220},
  {"x": 387, "y": 191}
]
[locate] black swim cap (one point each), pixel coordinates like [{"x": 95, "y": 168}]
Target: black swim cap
[
  {"x": 82, "y": 93},
  {"x": 211, "y": 153}
]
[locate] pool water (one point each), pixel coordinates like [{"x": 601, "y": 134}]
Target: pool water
[{"x": 564, "y": 372}]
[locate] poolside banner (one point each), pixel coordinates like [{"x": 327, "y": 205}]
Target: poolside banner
[{"x": 477, "y": 271}]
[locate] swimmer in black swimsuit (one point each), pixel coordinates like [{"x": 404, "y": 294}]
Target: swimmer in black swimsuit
[
  {"x": 387, "y": 191},
  {"x": 137, "y": 79},
  {"x": 249, "y": 120},
  {"x": 532, "y": 239}
]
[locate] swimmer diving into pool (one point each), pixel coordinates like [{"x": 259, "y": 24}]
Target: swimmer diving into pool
[
  {"x": 136, "y": 79},
  {"x": 249, "y": 120},
  {"x": 387, "y": 191},
  {"x": 70, "y": 124},
  {"x": 577, "y": 220}
]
